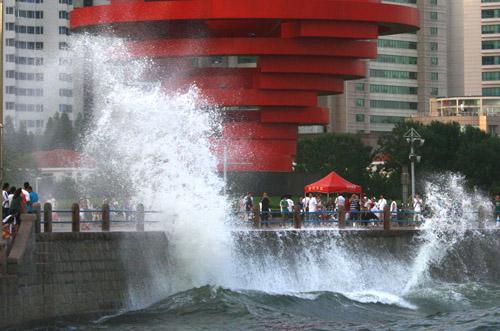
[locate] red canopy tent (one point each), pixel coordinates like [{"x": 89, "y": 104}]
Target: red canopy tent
[{"x": 332, "y": 183}]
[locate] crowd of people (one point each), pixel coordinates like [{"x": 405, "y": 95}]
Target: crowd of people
[
  {"x": 15, "y": 201},
  {"x": 317, "y": 206}
]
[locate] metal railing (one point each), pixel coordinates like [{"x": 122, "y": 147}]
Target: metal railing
[
  {"x": 342, "y": 218},
  {"x": 101, "y": 217}
]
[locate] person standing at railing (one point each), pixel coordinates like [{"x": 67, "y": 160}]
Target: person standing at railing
[
  {"x": 393, "y": 208},
  {"x": 264, "y": 202},
  {"x": 339, "y": 201},
  {"x": 417, "y": 208},
  {"x": 313, "y": 207},
  {"x": 291, "y": 204},
  {"x": 497, "y": 209},
  {"x": 284, "y": 207},
  {"x": 354, "y": 208},
  {"x": 382, "y": 202},
  {"x": 5, "y": 200},
  {"x": 26, "y": 196},
  {"x": 305, "y": 202},
  {"x": 33, "y": 199},
  {"x": 249, "y": 205},
  {"x": 17, "y": 206}
]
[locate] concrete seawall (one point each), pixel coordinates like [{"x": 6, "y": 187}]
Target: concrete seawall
[{"x": 63, "y": 274}]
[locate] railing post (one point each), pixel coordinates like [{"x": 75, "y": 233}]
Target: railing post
[
  {"x": 257, "y": 222},
  {"x": 75, "y": 218},
  {"x": 106, "y": 222},
  {"x": 37, "y": 210},
  {"x": 3, "y": 258},
  {"x": 387, "y": 218},
  {"x": 481, "y": 217},
  {"x": 47, "y": 217},
  {"x": 341, "y": 212},
  {"x": 297, "y": 220},
  {"x": 140, "y": 218}
]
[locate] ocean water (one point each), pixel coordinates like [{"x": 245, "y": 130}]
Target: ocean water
[
  {"x": 444, "y": 306},
  {"x": 159, "y": 142}
]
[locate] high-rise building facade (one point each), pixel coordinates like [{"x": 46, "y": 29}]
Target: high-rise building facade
[
  {"x": 409, "y": 69},
  {"x": 38, "y": 78}
]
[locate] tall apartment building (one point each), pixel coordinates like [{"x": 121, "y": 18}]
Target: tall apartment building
[
  {"x": 409, "y": 69},
  {"x": 38, "y": 78},
  {"x": 490, "y": 47},
  {"x": 475, "y": 61}
]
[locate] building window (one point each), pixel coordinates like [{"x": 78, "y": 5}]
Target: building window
[
  {"x": 247, "y": 59},
  {"x": 490, "y": 29},
  {"x": 360, "y": 118},
  {"x": 434, "y": 91},
  {"x": 360, "y": 87},
  {"x": 433, "y": 31},
  {"x": 391, "y": 43},
  {"x": 375, "y": 119},
  {"x": 434, "y": 76},
  {"x": 433, "y": 15},
  {"x": 63, "y": 15},
  {"x": 434, "y": 61},
  {"x": 65, "y": 108},
  {"x": 398, "y": 59},
  {"x": 360, "y": 102},
  {"x": 392, "y": 89},
  {"x": 63, "y": 92},
  {"x": 491, "y": 91},
  {"x": 392, "y": 104},
  {"x": 393, "y": 74},
  {"x": 64, "y": 30},
  {"x": 491, "y": 75},
  {"x": 433, "y": 46}
]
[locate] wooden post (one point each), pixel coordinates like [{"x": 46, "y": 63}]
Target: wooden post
[
  {"x": 38, "y": 219},
  {"x": 387, "y": 218},
  {"x": 3, "y": 258},
  {"x": 341, "y": 212},
  {"x": 257, "y": 222},
  {"x": 297, "y": 220},
  {"x": 481, "y": 217},
  {"x": 106, "y": 222},
  {"x": 47, "y": 217},
  {"x": 140, "y": 218},
  {"x": 75, "y": 218}
]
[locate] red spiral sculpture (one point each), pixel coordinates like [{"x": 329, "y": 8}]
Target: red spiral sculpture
[{"x": 304, "y": 49}]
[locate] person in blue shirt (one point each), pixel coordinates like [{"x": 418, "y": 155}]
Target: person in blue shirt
[{"x": 33, "y": 199}]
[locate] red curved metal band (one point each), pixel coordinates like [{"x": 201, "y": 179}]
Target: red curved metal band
[
  {"x": 251, "y": 46},
  {"x": 357, "y": 11}
]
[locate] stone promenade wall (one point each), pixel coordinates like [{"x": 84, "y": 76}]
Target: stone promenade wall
[{"x": 62, "y": 274}]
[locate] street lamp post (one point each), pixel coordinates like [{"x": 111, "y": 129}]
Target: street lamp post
[{"x": 412, "y": 137}]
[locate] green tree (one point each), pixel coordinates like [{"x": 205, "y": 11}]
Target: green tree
[
  {"x": 448, "y": 147},
  {"x": 65, "y": 132},
  {"x": 343, "y": 153},
  {"x": 79, "y": 130},
  {"x": 479, "y": 162},
  {"x": 18, "y": 163},
  {"x": 48, "y": 136}
]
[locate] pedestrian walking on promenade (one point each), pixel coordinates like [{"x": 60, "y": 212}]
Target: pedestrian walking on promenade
[
  {"x": 264, "y": 202},
  {"x": 5, "y": 200},
  {"x": 497, "y": 209}
]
